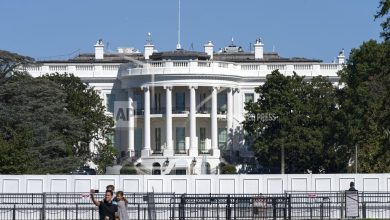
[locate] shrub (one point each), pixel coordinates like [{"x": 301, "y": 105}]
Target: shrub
[
  {"x": 228, "y": 169},
  {"x": 128, "y": 169}
]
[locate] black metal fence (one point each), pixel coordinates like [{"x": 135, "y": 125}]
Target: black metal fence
[{"x": 290, "y": 205}]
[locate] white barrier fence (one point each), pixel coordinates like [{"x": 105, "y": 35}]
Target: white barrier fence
[{"x": 196, "y": 184}]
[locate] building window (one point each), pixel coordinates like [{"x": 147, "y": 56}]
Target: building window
[
  {"x": 180, "y": 101},
  {"x": 202, "y": 140},
  {"x": 138, "y": 104},
  {"x": 221, "y": 101},
  {"x": 180, "y": 140},
  {"x": 249, "y": 97},
  {"x": 157, "y": 139},
  {"x": 137, "y": 139},
  {"x": 202, "y": 102},
  {"x": 157, "y": 103},
  {"x": 110, "y": 100},
  {"x": 156, "y": 169},
  {"x": 222, "y": 139},
  {"x": 180, "y": 172}
]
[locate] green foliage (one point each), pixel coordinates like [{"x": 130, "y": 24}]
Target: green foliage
[
  {"x": 84, "y": 103},
  {"x": 104, "y": 156},
  {"x": 294, "y": 115},
  {"x": 128, "y": 169},
  {"x": 365, "y": 106},
  {"x": 36, "y": 123},
  {"x": 47, "y": 123},
  {"x": 11, "y": 65},
  {"x": 384, "y": 6},
  {"x": 228, "y": 169}
]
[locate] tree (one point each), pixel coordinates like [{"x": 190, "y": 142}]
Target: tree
[
  {"x": 37, "y": 127},
  {"x": 52, "y": 119},
  {"x": 84, "y": 103},
  {"x": 294, "y": 116},
  {"x": 12, "y": 64},
  {"x": 384, "y": 6},
  {"x": 104, "y": 156},
  {"x": 365, "y": 106}
]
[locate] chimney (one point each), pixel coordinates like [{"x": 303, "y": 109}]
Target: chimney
[
  {"x": 99, "y": 50},
  {"x": 148, "y": 47},
  {"x": 209, "y": 49},
  {"x": 341, "y": 57},
  {"x": 259, "y": 50}
]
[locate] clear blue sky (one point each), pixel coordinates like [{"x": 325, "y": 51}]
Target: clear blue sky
[{"x": 296, "y": 28}]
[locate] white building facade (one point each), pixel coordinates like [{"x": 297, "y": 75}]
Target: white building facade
[{"x": 183, "y": 109}]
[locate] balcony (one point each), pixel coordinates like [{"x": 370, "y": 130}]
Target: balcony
[{"x": 237, "y": 69}]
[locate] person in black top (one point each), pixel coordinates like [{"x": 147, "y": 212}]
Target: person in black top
[
  {"x": 107, "y": 210},
  {"x": 352, "y": 186}
]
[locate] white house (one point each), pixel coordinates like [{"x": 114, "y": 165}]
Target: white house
[{"x": 180, "y": 112}]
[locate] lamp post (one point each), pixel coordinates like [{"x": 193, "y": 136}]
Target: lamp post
[
  {"x": 356, "y": 158},
  {"x": 282, "y": 160}
]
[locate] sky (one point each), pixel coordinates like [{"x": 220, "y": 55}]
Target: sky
[{"x": 60, "y": 29}]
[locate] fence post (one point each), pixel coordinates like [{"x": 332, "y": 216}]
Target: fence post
[
  {"x": 285, "y": 204},
  {"x": 342, "y": 205},
  {"x": 181, "y": 208},
  {"x": 139, "y": 211},
  {"x": 289, "y": 207},
  {"x": 228, "y": 209},
  {"x": 14, "y": 212},
  {"x": 66, "y": 212},
  {"x": 44, "y": 206},
  {"x": 322, "y": 210},
  {"x": 364, "y": 210},
  {"x": 77, "y": 211},
  {"x": 274, "y": 208}
]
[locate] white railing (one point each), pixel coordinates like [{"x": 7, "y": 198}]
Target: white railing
[
  {"x": 250, "y": 67},
  {"x": 58, "y": 68},
  {"x": 273, "y": 67},
  {"x": 180, "y": 63},
  {"x": 193, "y": 67},
  {"x": 110, "y": 67},
  {"x": 157, "y": 64},
  {"x": 303, "y": 67},
  {"x": 329, "y": 66},
  {"x": 204, "y": 64},
  {"x": 85, "y": 68}
]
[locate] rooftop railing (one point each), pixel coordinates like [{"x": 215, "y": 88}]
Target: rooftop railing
[{"x": 188, "y": 67}]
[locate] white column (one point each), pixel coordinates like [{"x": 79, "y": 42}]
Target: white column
[
  {"x": 229, "y": 120},
  {"x": 168, "y": 122},
  {"x": 131, "y": 122},
  {"x": 193, "y": 141},
  {"x": 146, "y": 149},
  {"x": 214, "y": 125}
]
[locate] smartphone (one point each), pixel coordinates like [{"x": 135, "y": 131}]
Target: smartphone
[{"x": 96, "y": 191}]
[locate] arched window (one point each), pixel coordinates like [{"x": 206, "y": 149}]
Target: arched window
[{"x": 156, "y": 170}]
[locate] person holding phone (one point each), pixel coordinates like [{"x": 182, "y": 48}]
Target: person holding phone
[{"x": 107, "y": 210}]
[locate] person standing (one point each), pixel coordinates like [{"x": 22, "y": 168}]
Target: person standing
[
  {"x": 107, "y": 210},
  {"x": 352, "y": 186},
  {"x": 122, "y": 206},
  {"x": 112, "y": 188}
]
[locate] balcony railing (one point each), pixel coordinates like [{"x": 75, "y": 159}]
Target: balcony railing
[{"x": 182, "y": 67}]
